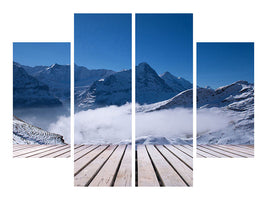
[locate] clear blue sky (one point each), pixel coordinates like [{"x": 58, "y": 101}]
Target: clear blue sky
[
  {"x": 103, "y": 41},
  {"x": 220, "y": 64},
  {"x": 165, "y": 42},
  {"x": 33, "y": 54}
]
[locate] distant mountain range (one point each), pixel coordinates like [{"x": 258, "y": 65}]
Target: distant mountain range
[
  {"x": 238, "y": 96},
  {"x": 56, "y": 76},
  {"x": 42, "y": 86},
  {"x": 50, "y": 86},
  {"x": 115, "y": 88},
  {"x": 84, "y": 77},
  {"x": 236, "y": 101},
  {"x": 28, "y": 91}
]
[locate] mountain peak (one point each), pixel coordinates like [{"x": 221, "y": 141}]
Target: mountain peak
[
  {"x": 54, "y": 65},
  {"x": 241, "y": 82},
  {"x": 144, "y": 67},
  {"x": 168, "y": 75},
  {"x": 143, "y": 64}
]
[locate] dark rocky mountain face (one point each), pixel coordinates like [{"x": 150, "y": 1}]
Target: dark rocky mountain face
[{"x": 29, "y": 92}]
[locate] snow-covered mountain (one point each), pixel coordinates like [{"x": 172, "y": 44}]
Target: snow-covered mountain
[
  {"x": 34, "y": 70},
  {"x": 29, "y": 92},
  {"x": 234, "y": 103},
  {"x": 178, "y": 84},
  {"x": 150, "y": 88},
  {"x": 24, "y": 133},
  {"x": 237, "y": 96},
  {"x": 84, "y": 77},
  {"x": 112, "y": 90},
  {"x": 56, "y": 76}
]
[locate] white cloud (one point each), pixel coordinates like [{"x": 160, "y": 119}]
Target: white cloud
[
  {"x": 100, "y": 126},
  {"x": 173, "y": 123}
]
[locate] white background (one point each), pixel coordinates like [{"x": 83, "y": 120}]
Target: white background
[{"x": 52, "y": 21}]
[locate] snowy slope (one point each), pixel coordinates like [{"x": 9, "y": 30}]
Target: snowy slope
[
  {"x": 29, "y": 92},
  {"x": 85, "y": 77},
  {"x": 150, "y": 88},
  {"x": 34, "y": 70},
  {"x": 113, "y": 90},
  {"x": 178, "y": 84},
  {"x": 56, "y": 76},
  {"x": 225, "y": 115},
  {"x": 24, "y": 133},
  {"x": 237, "y": 96},
  {"x": 236, "y": 103}
]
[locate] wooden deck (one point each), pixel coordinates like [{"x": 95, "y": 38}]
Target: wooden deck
[
  {"x": 225, "y": 151},
  {"x": 164, "y": 165},
  {"x": 110, "y": 165},
  {"x": 102, "y": 165},
  {"x": 41, "y": 151}
]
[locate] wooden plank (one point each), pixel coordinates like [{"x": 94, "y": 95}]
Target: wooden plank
[
  {"x": 251, "y": 147},
  {"x": 29, "y": 154},
  {"x": 87, "y": 158},
  {"x": 185, "y": 150},
  {"x": 63, "y": 154},
  {"x": 181, "y": 168},
  {"x": 208, "y": 151},
  {"x": 80, "y": 148},
  {"x": 22, "y": 152},
  {"x": 205, "y": 154},
  {"x": 215, "y": 149},
  {"x": 188, "y": 147},
  {"x": 146, "y": 173},
  {"x": 84, "y": 151},
  {"x": 48, "y": 151},
  {"x": 166, "y": 173},
  {"x": 124, "y": 176},
  {"x": 84, "y": 177},
  {"x": 199, "y": 155},
  {"x": 224, "y": 148},
  {"x": 76, "y": 146},
  {"x": 181, "y": 155},
  {"x": 28, "y": 146},
  {"x": 106, "y": 176},
  {"x": 241, "y": 148},
  {"x": 19, "y": 147}
]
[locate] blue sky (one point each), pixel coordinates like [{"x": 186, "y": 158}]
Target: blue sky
[
  {"x": 33, "y": 54},
  {"x": 165, "y": 42},
  {"x": 220, "y": 64},
  {"x": 103, "y": 41}
]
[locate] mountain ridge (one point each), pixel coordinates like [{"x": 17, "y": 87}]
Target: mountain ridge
[
  {"x": 115, "y": 89},
  {"x": 29, "y": 92}
]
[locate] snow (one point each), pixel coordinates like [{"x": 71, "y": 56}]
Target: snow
[
  {"x": 24, "y": 133},
  {"x": 163, "y": 108},
  {"x": 56, "y": 77},
  {"x": 178, "y": 84},
  {"x": 115, "y": 89},
  {"x": 225, "y": 115},
  {"x": 30, "y": 92}
]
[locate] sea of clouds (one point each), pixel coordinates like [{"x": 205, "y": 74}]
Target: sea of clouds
[{"x": 112, "y": 124}]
